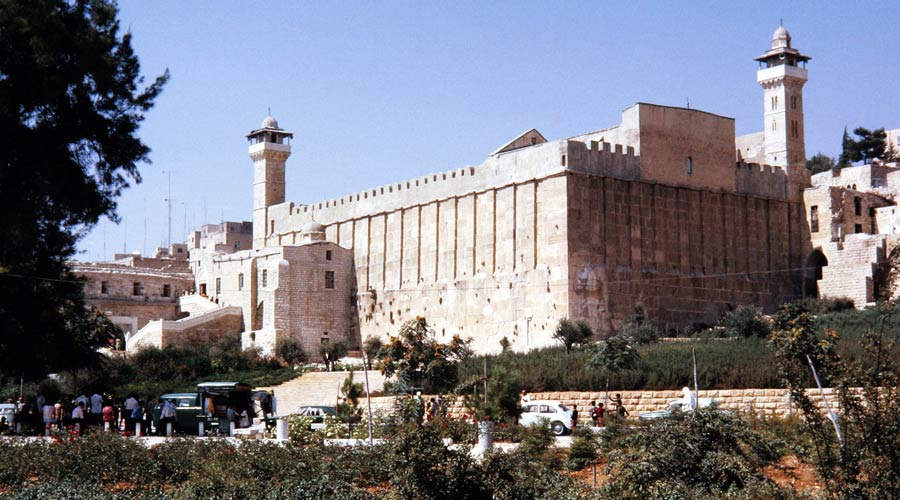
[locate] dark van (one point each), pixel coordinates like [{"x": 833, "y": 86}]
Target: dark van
[{"x": 208, "y": 405}]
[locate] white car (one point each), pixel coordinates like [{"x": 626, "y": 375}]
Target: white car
[{"x": 555, "y": 414}]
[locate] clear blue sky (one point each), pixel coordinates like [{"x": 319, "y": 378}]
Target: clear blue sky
[{"x": 384, "y": 91}]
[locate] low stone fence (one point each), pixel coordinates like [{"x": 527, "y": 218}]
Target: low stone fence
[{"x": 762, "y": 402}]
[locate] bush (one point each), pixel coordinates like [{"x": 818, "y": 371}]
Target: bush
[
  {"x": 290, "y": 352},
  {"x": 745, "y": 322},
  {"x": 638, "y": 327},
  {"x": 583, "y": 450},
  {"x": 707, "y": 454},
  {"x": 827, "y": 305},
  {"x": 536, "y": 440}
]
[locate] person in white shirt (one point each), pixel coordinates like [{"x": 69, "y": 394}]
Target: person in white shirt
[
  {"x": 96, "y": 408},
  {"x": 48, "y": 411},
  {"x": 167, "y": 416},
  {"x": 78, "y": 416},
  {"x": 130, "y": 404}
]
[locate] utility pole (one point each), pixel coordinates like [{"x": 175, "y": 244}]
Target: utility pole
[{"x": 169, "y": 206}]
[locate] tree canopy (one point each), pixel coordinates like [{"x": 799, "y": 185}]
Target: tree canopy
[
  {"x": 869, "y": 145},
  {"x": 70, "y": 108},
  {"x": 421, "y": 362},
  {"x": 572, "y": 333},
  {"x": 820, "y": 162}
]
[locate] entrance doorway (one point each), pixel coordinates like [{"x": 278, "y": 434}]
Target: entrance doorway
[{"x": 812, "y": 273}]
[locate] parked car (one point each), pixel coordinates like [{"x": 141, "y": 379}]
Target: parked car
[
  {"x": 685, "y": 404},
  {"x": 555, "y": 414},
  {"x": 318, "y": 413},
  {"x": 8, "y": 414}
]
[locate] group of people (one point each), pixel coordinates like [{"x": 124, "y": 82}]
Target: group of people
[
  {"x": 598, "y": 411},
  {"x": 84, "y": 412}
]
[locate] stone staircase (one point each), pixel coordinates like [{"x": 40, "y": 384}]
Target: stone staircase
[
  {"x": 207, "y": 325},
  {"x": 318, "y": 389}
]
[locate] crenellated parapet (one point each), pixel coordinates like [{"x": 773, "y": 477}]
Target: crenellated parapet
[
  {"x": 766, "y": 181},
  {"x": 604, "y": 159}
]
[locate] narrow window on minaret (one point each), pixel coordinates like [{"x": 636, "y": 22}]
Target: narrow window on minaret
[{"x": 690, "y": 165}]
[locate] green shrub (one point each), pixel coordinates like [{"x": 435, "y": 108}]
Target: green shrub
[
  {"x": 827, "y": 305},
  {"x": 638, "y": 327},
  {"x": 706, "y": 454},
  {"x": 535, "y": 440},
  {"x": 299, "y": 430},
  {"x": 583, "y": 450},
  {"x": 290, "y": 351},
  {"x": 422, "y": 467},
  {"x": 514, "y": 476},
  {"x": 746, "y": 322}
]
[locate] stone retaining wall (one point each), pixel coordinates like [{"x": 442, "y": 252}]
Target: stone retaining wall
[{"x": 762, "y": 402}]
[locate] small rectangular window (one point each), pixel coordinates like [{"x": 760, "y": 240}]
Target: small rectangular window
[
  {"x": 329, "y": 279},
  {"x": 857, "y": 205},
  {"x": 857, "y": 228},
  {"x": 241, "y": 281},
  {"x": 167, "y": 290},
  {"x": 327, "y": 254},
  {"x": 218, "y": 286},
  {"x": 563, "y": 160},
  {"x": 690, "y": 165},
  {"x": 814, "y": 219},
  {"x": 104, "y": 287},
  {"x": 265, "y": 278},
  {"x": 137, "y": 289}
]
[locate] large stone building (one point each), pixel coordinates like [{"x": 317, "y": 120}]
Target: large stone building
[
  {"x": 667, "y": 208},
  {"x": 134, "y": 291}
]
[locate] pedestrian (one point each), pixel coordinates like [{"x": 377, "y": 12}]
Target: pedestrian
[
  {"x": 599, "y": 415},
  {"x": 167, "y": 416},
  {"x": 109, "y": 417},
  {"x": 621, "y": 412},
  {"x": 96, "y": 408},
  {"x": 49, "y": 416},
  {"x": 574, "y": 416},
  {"x": 431, "y": 411},
  {"x": 441, "y": 406},
  {"x": 525, "y": 397},
  {"x": 78, "y": 417},
  {"x": 137, "y": 416},
  {"x": 127, "y": 409},
  {"x": 59, "y": 415},
  {"x": 592, "y": 413}
]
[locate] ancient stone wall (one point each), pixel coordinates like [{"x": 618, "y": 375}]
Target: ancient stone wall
[{"x": 686, "y": 254}]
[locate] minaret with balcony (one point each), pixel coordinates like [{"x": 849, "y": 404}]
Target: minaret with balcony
[{"x": 270, "y": 147}]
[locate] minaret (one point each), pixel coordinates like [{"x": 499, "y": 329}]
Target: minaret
[
  {"x": 270, "y": 147},
  {"x": 782, "y": 74}
]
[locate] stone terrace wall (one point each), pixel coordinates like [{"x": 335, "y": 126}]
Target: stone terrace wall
[{"x": 761, "y": 402}]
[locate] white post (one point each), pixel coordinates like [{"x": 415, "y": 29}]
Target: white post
[
  {"x": 485, "y": 438},
  {"x": 169, "y": 429},
  {"x": 200, "y": 429},
  {"x": 231, "y": 428},
  {"x": 105, "y": 426},
  {"x": 281, "y": 429},
  {"x": 137, "y": 429},
  {"x": 368, "y": 394}
]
